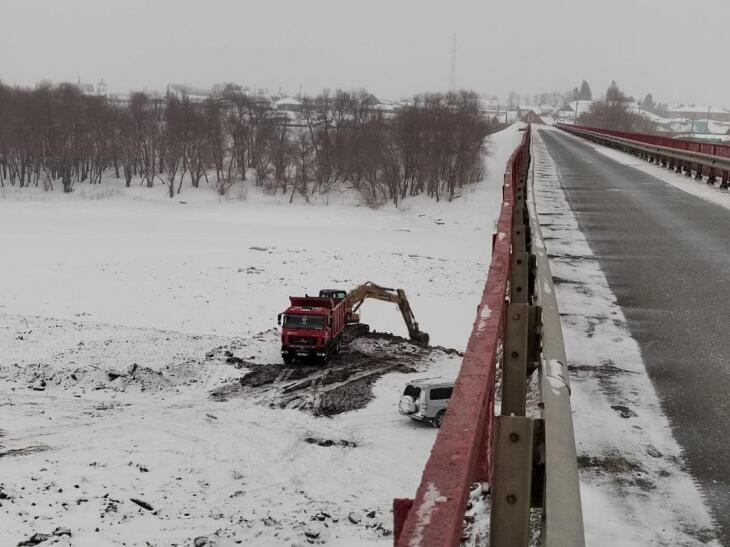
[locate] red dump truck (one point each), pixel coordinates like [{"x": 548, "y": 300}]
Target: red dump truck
[{"x": 312, "y": 326}]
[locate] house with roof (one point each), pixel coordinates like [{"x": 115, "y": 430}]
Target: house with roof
[
  {"x": 194, "y": 94},
  {"x": 695, "y": 112},
  {"x": 86, "y": 89},
  {"x": 530, "y": 116},
  {"x": 288, "y": 104}
]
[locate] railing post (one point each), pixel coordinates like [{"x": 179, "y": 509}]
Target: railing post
[
  {"x": 514, "y": 373},
  {"x": 698, "y": 175},
  {"x": 401, "y": 507},
  {"x": 512, "y": 483}
]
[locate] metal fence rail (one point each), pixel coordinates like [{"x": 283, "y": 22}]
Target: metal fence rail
[
  {"x": 683, "y": 156},
  {"x": 564, "y": 516},
  {"x": 529, "y": 462}
]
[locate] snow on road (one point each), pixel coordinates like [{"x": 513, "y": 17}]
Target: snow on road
[
  {"x": 680, "y": 181},
  {"x": 108, "y": 309},
  {"x": 634, "y": 486}
]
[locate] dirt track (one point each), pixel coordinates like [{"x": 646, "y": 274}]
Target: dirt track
[{"x": 342, "y": 385}]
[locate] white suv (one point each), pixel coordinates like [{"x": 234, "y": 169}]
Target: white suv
[{"x": 426, "y": 400}]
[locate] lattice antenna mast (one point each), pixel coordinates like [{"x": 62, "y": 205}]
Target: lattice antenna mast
[{"x": 452, "y": 79}]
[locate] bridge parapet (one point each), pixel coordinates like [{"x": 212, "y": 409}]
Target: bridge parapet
[
  {"x": 529, "y": 462},
  {"x": 700, "y": 159}
]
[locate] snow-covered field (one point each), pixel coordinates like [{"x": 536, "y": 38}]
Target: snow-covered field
[
  {"x": 109, "y": 302},
  {"x": 634, "y": 486}
]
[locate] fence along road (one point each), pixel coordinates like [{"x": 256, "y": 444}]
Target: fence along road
[
  {"x": 666, "y": 255},
  {"x": 529, "y": 462}
]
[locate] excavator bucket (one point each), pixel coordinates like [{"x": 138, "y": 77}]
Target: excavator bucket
[{"x": 421, "y": 338}]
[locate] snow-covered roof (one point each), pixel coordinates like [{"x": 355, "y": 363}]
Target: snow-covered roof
[
  {"x": 699, "y": 109},
  {"x": 711, "y": 137},
  {"x": 383, "y": 107},
  {"x": 637, "y": 109},
  {"x": 581, "y": 105},
  {"x": 529, "y": 107},
  {"x": 288, "y": 101},
  {"x": 188, "y": 90}
]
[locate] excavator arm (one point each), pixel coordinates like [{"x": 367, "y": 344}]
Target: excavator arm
[{"x": 359, "y": 294}]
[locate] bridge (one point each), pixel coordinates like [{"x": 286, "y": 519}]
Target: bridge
[{"x": 665, "y": 253}]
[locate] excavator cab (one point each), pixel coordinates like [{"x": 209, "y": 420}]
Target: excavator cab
[{"x": 337, "y": 294}]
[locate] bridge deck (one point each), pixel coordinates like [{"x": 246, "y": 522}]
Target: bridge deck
[{"x": 666, "y": 255}]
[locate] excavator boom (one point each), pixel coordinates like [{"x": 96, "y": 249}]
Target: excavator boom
[{"x": 359, "y": 294}]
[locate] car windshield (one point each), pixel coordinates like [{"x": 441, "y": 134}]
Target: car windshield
[{"x": 304, "y": 321}]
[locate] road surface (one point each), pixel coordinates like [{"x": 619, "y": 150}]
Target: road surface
[{"x": 666, "y": 255}]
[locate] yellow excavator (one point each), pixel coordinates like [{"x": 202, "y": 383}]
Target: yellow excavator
[{"x": 355, "y": 298}]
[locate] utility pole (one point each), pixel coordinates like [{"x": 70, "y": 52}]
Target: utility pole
[{"x": 452, "y": 79}]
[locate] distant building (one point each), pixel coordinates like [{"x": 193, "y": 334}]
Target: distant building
[
  {"x": 288, "y": 104},
  {"x": 491, "y": 108},
  {"x": 262, "y": 99},
  {"x": 692, "y": 112},
  {"x": 195, "y": 94},
  {"x": 530, "y": 116},
  {"x": 371, "y": 101},
  {"x": 101, "y": 88},
  {"x": 86, "y": 89}
]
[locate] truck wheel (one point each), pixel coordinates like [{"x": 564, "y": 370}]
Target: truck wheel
[
  {"x": 338, "y": 346},
  {"x": 439, "y": 419},
  {"x": 288, "y": 359}
]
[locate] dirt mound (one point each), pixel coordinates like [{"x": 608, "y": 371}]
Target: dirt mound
[
  {"x": 41, "y": 376},
  {"x": 343, "y": 385}
]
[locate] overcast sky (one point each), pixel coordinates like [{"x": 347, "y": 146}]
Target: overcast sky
[{"x": 674, "y": 48}]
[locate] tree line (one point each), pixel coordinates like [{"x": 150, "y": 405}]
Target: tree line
[
  {"x": 552, "y": 98},
  {"x": 57, "y": 136},
  {"x": 613, "y": 112}
]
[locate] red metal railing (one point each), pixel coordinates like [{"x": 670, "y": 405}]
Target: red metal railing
[
  {"x": 690, "y": 157},
  {"x": 713, "y": 149},
  {"x": 462, "y": 452}
]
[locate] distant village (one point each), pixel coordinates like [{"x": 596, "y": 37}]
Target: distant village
[{"x": 681, "y": 120}]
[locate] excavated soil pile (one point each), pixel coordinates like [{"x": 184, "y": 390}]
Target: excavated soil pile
[{"x": 344, "y": 384}]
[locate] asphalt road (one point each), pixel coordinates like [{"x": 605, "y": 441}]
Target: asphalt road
[{"x": 666, "y": 255}]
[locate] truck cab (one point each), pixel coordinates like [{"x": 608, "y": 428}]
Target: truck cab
[{"x": 311, "y": 328}]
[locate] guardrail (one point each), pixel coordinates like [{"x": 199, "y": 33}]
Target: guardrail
[
  {"x": 682, "y": 156},
  {"x": 529, "y": 462}
]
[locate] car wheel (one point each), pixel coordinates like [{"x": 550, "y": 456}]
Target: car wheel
[{"x": 438, "y": 420}]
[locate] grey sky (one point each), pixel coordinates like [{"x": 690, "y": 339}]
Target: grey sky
[{"x": 673, "y": 48}]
